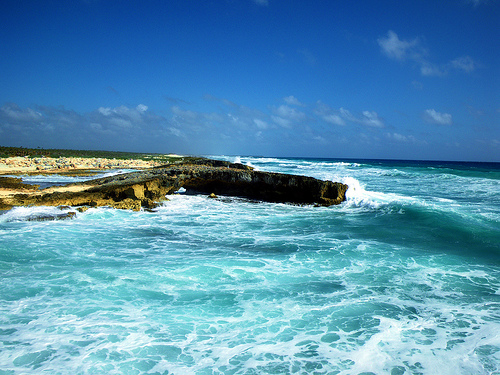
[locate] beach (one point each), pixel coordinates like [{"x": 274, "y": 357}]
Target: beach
[{"x": 21, "y": 165}]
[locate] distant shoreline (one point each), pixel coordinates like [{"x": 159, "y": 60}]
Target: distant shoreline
[
  {"x": 54, "y": 153},
  {"x": 19, "y": 160},
  {"x": 39, "y": 165}
]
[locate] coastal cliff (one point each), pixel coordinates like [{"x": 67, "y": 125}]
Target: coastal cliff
[{"x": 145, "y": 189}]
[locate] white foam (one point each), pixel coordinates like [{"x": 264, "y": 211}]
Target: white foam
[
  {"x": 397, "y": 343},
  {"x": 358, "y": 196},
  {"x": 239, "y": 287},
  {"x": 24, "y": 213}
]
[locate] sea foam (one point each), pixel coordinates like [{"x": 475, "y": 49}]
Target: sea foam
[{"x": 396, "y": 280}]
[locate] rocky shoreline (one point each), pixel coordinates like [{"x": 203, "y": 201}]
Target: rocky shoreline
[{"x": 145, "y": 189}]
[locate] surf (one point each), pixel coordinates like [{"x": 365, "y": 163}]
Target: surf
[{"x": 397, "y": 279}]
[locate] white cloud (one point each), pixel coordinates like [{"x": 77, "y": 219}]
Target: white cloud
[
  {"x": 327, "y": 114},
  {"x": 292, "y": 100},
  {"x": 401, "y": 138},
  {"x": 320, "y": 139},
  {"x": 464, "y": 63},
  {"x": 281, "y": 121},
  {"x": 289, "y": 113},
  {"x": 123, "y": 116},
  {"x": 59, "y": 127},
  {"x": 213, "y": 117},
  {"x": 176, "y": 132},
  {"x": 96, "y": 127},
  {"x": 260, "y": 124},
  {"x": 347, "y": 115},
  {"x": 413, "y": 50},
  {"x": 432, "y": 116},
  {"x": 368, "y": 118},
  {"x": 104, "y": 111},
  {"x": 396, "y": 48},
  {"x": 371, "y": 118},
  {"x": 182, "y": 127},
  {"x": 186, "y": 115},
  {"x": 233, "y": 119},
  {"x": 121, "y": 119},
  {"x": 428, "y": 69},
  {"x": 334, "y": 119},
  {"x": 121, "y": 122},
  {"x": 14, "y": 113},
  {"x": 321, "y": 108}
]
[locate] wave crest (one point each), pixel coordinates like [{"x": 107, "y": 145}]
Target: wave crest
[{"x": 357, "y": 196}]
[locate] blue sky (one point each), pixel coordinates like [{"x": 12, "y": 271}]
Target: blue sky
[{"x": 341, "y": 79}]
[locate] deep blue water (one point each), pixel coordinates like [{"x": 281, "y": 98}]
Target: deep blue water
[{"x": 402, "y": 278}]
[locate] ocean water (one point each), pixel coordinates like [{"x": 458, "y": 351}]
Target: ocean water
[{"x": 402, "y": 278}]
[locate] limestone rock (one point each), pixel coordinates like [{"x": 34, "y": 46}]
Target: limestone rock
[
  {"x": 16, "y": 183},
  {"x": 144, "y": 189}
]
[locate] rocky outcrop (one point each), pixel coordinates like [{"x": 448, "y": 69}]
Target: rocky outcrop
[
  {"x": 53, "y": 217},
  {"x": 144, "y": 189},
  {"x": 265, "y": 186},
  {"x": 16, "y": 183}
]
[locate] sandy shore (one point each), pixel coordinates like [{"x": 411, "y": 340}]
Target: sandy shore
[{"x": 20, "y": 165}]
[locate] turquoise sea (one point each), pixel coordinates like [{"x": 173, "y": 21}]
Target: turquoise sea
[{"x": 402, "y": 278}]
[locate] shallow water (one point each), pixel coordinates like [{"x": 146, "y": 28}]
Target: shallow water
[
  {"x": 402, "y": 278},
  {"x": 50, "y": 179}
]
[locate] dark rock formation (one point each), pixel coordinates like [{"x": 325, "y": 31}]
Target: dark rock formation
[
  {"x": 265, "y": 186},
  {"x": 147, "y": 188},
  {"x": 16, "y": 183},
  {"x": 47, "y": 217}
]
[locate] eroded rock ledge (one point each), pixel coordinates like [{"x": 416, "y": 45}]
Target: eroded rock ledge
[{"x": 145, "y": 189}]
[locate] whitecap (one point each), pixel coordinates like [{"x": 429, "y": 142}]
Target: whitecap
[
  {"x": 358, "y": 196},
  {"x": 31, "y": 213}
]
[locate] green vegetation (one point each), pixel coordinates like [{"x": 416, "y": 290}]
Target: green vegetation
[{"x": 55, "y": 153}]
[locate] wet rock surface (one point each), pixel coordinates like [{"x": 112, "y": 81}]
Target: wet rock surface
[
  {"x": 47, "y": 217},
  {"x": 16, "y": 183}
]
